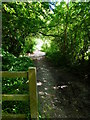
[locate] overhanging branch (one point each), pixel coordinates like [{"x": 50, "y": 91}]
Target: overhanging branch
[{"x": 52, "y": 35}]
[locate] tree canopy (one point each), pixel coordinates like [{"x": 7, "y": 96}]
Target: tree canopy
[
  {"x": 67, "y": 26},
  {"x": 20, "y": 20}
]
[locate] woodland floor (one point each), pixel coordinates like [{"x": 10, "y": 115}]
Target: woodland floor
[{"x": 61, "y": 94}]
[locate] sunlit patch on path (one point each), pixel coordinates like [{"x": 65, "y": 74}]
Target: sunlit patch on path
[{"x": 37, "y": 55}]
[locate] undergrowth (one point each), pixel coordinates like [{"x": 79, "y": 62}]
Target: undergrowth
[{"x": 15, "y": 86}]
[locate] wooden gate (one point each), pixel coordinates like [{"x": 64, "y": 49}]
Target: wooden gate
[{"x": 32, "y": 96}]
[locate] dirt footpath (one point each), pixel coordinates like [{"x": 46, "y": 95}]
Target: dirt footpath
[{"x": 60, "y": 93}]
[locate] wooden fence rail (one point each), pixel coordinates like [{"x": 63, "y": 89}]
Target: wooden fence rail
[
  {"x": 32, "y": 96},
  {"x": 8, "y": 74}
]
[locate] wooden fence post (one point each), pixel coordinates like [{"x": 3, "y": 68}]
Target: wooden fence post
[{"x": 33, "y": 93}]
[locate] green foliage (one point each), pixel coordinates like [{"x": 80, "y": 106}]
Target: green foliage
[
  {"x": 68, "y": 25},
  {"x": 15, "y": 86},
  {"x": 12, "y": 63},
  {"x": 12, "y": 107},
  {"x": 20, "y": 20},
  {"x": 29, "y": 45},
  {"x": 16, "y": 107},
  {"x": 53, "y": 54},
  {"x": 70, "y": 33}
]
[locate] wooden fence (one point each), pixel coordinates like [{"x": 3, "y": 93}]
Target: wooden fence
[{"x": 32, "y": 96}]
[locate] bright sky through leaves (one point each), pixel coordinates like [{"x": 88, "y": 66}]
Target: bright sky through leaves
[{"x": 52, "y": 4}]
